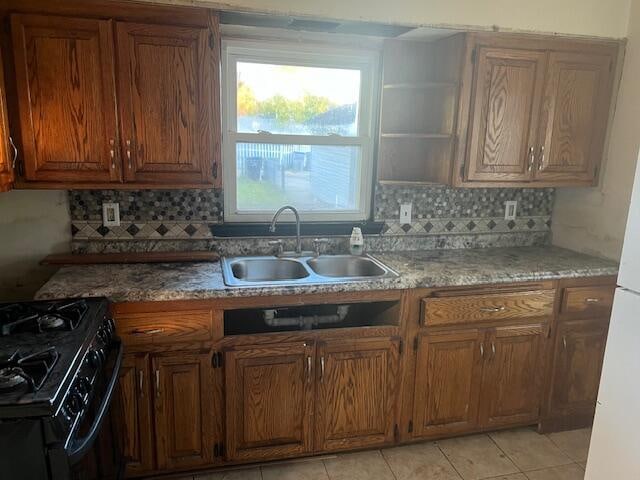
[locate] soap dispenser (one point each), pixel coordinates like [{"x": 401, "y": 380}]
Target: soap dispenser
[{"x": 356, "y": 242}]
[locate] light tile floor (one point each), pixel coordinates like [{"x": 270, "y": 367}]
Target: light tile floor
[{"x": 520, "y": 454}]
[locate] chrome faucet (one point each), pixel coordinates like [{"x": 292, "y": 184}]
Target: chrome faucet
[{"x": 272, "y": 227}]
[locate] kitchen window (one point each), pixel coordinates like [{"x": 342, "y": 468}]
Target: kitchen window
[{"x": 297, "y": 129}]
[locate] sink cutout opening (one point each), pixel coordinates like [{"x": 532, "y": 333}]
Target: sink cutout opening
[{"x": 310, "y": 317}]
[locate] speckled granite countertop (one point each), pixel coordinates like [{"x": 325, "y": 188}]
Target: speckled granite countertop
[{"x": 433, "y": 268}]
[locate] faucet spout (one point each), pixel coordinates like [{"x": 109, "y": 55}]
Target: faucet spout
[{"x": 274, "y": 220}]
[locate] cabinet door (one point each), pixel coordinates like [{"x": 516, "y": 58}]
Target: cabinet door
[
  {"x": 183, "y": 409},
  {"x": 138, "y": 430},
  {"x": 269, "y": 408},
  {"x": 505, "y": 106},
  {"x": 7, "y": 151},
  {"x": 447, "y": 382},
  {"x": 167, "y": 83},
  {"x": 66, "y": 98},
  {"x": 574, "y": 117},
  {"x": 511, "y": 378},
  {"x": 579, "y": 351},
  {"x": 356, "y": 393}
]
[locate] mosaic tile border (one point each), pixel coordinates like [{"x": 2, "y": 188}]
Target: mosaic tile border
[
  {"x": 91, "y": 230},
  {"x": 454, "y": 226},
  {"x": 165, "y": 230}
]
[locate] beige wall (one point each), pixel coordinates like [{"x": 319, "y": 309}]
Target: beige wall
[
  {"x": 33, "y": 224},
  {"x": 577, "y": 17},
  {"x": 593, "y": 220}
]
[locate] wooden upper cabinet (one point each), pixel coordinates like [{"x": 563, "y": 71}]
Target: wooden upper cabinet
[
  {"x": 533, "y": 110},
  {"x": 8, "y": 153},
  {"x": 447, "y": 382},
  {"x": 579, "y": 351},
  {"x": 511, "y": 379},
  {"x": 67, "y": 102},
  {"x": 183, "y": 420},
  {"x": 574, "y": 118},
  {"x": 504, "y": 119},
  {"x": 166, "y": 86},
  {"x": 357, "y": 384},
  {"x": 135, "y": 385},
  {"x": 269, "y": 401}
]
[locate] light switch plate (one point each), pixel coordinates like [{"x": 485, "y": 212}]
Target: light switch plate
[
  {"x": 405, "y": 213},
  {"x": 111, "y": 214},
  {"x": 510, "y": 209}
]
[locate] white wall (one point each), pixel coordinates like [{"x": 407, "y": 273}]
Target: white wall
[
  {"x": 577, "y": 17},
  {"x": 593, "y": 220},
  {"x": 33, "y": 224}
]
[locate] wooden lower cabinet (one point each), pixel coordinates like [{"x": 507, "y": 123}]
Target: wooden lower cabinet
[
  {"x": 478, "y": 378},
  {"x": 269, "y": 401},
  {"x": 184, "y": 423},
  {"x": 512, "y": 374},
  {"x": 136, "y": 391},
  {"x": 447, "y": 382},
  {"x": 355, "y": 394},
  {"x": 579, "y": 352},
  {"x": 168, "y": 418}
]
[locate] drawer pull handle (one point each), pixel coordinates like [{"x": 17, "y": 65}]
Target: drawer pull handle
[
  {"x": 501, "y": 308},
  {"x": 141, "y": 382},
  {"x": 564, "y": 342},
  {"x": 592, "y": 300},
  {"x": 151, "y": 331},
  {"x": 482, "y": 350},
  {"x": 493, "y": 350},
  {"x": 309, "y": 362},
  {"x": 157, "y": 383},
  {"x": 322, "y": 369}
]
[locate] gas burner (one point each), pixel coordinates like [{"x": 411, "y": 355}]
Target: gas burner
[
  {"x": 11, "y": 378},
  {"x": 51, "y": 322},
  {"x": 19, "y": 371},
  {"x": 39, "y": 317}
]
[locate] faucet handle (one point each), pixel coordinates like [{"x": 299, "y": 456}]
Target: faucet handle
[
  {"x": 318, "y": 243},
  {"x": 277, "y": 243}
]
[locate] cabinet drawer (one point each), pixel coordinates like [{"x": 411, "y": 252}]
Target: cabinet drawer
[
  {"x": 587, "y": 301},
  {"x": 164, "y": 327},
  {"x": 486, "y": 307}
]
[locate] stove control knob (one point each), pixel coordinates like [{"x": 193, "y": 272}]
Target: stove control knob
[
  {"x": 74, "y": 404},
  {"x": 84, "y": 386},
  {"x": 96, "y": 358}
]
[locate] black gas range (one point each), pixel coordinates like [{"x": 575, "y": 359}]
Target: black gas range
[{"x": 60, "y": 407}]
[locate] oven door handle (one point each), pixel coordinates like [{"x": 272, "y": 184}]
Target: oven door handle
[{"x": 79, "y": 447}]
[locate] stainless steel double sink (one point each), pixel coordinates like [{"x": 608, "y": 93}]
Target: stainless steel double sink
[{"x": 303, "y": 270}]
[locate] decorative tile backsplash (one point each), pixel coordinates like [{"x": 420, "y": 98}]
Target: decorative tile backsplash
[{"x": 437, "y": 211}]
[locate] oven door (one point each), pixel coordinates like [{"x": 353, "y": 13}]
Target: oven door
[{"x": 96, "y": 453}]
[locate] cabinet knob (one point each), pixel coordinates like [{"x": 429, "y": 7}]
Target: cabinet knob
[{"x": 532, "y": 159}]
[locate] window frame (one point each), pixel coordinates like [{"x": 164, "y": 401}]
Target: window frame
[{"x": 308, "y": 55}]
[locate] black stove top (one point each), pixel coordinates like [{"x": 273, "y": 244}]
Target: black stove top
[{"x": 42, "y": 344}]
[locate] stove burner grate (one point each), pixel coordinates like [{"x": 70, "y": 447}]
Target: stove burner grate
[
  {"x": 41, "y": 317},
  {"x": 30, "y": 370}
]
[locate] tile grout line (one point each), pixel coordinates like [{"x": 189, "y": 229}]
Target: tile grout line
[
  {"x": 449, "y": 461},
  {"x": 505, "y": 454},
  {"x": 393, "y": 474},
  {"x": 325, "y": 469}
]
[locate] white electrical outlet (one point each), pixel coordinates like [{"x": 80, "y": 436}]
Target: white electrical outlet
[
  {"x": 405, "y": 213},
  {"x": 111, "y": 214},
  {"x": 510, "y": 209}
]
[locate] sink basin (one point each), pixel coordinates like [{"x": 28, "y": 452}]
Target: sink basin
[
  {"x": 346, "y": 266},
  {"x": 304, "y": 270},
  {"x": 268, "y": 269}
]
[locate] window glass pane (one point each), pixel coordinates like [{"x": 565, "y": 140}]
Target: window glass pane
[
  {"x": 309, "y": 177},
  {"x": 294, "y": 100}
]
